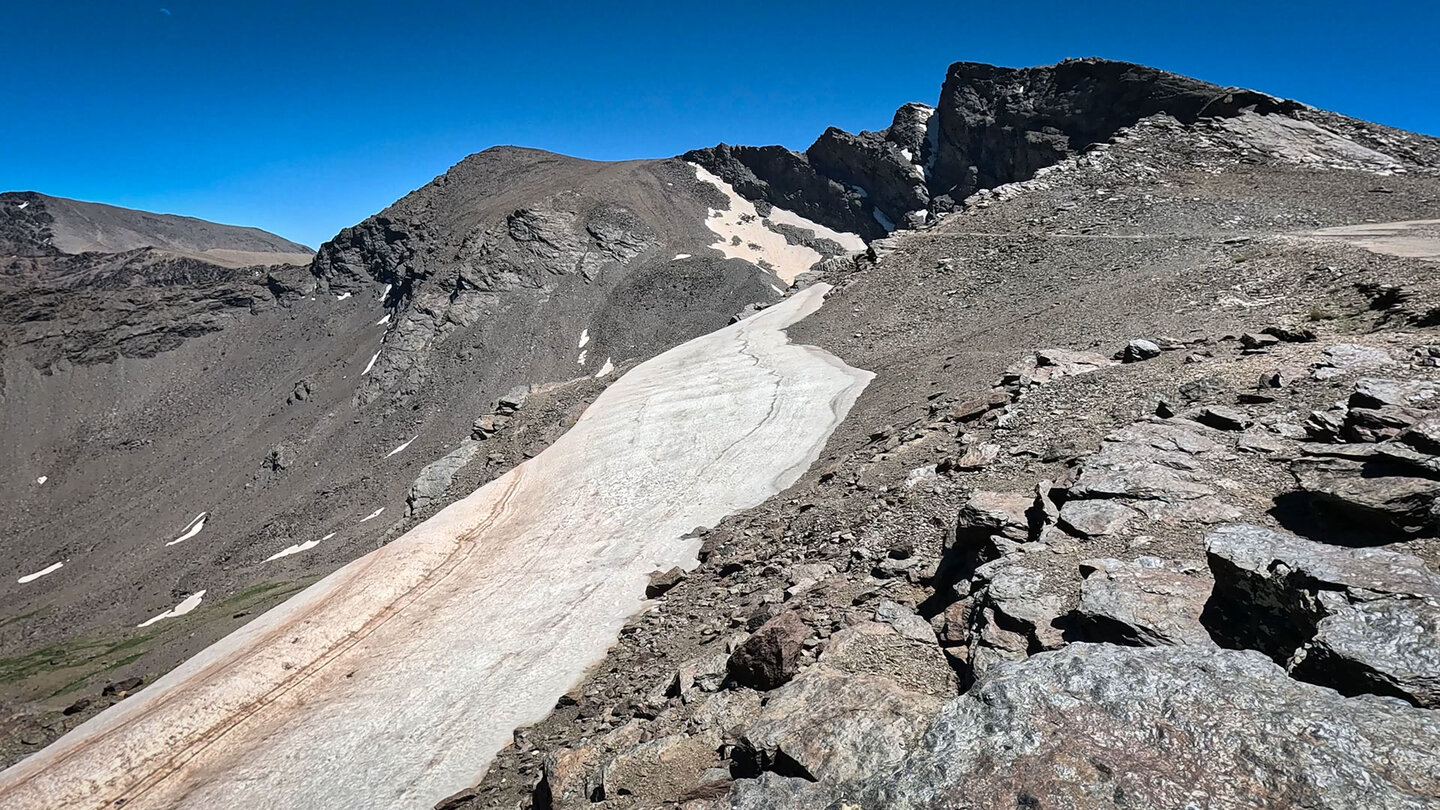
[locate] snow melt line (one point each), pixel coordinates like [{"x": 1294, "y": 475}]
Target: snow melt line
[
  {"x": 371, "y": 364},
  {"x": 191, "y": 530},
  {"x": 42, "y": 572},
  {"x": 403, "y": 446},
  {"x": 299, "y": 547},
  {"x": 530, "y": 577},
  {"x": 188, "y": 604}
]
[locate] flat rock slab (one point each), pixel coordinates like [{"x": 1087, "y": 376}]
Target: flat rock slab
[{"x": 392, "y": 682}]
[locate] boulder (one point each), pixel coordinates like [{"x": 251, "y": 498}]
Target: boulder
[
  {"x": 771, "y": 656},
  {"x": 1376, "y": 492},
  {"x": 1223, "y": 418},
  {"x": 1100, "y": 726},
  {"x": 435, "y": 479},
  {"x": 836, "y": 727},
  {"x": 876, "y": 648},
  {"x": 662, "y": 581},
  {"x": 1386, "y": 646},
  {"x": 1095, "y": 518},
  {"x": 1148, "y": 602},
  {"x": 1138, "y": 350}
]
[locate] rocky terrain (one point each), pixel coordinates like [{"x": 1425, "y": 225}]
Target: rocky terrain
[{"x": 1139, "y": 509}]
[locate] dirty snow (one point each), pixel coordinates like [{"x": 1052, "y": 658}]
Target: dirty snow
[
  {"x": 42, "y": 572},
  {"x": 373, "y": 515},
  {"x": 605, "y": 369},
  {"x": 743, "y": 222},
  {"x": 371, "y": 364},
  {"x": 299, "y": 547},
  {"x": 192, "y": 529},
  {"x": 188, "y": 604},
  {"x": 403, "y": 446}
]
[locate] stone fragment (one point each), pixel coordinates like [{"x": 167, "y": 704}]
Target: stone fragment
[
  {"x": 1148, "y": 602},
  {"x": 1138, "y": 350},
  {"x": 1095, "y": 518},
  {"x": 771, "y": 656},
  {"x": 1223, "y": 418},
  {"x": 662, "y": 581}
]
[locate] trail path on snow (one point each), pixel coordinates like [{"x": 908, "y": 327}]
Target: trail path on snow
[{"x": 392, "y": 682}]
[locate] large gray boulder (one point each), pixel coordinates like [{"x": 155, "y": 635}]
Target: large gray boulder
[
  {"x": 1148, "y": 602},
  {"x": 1355, "y": 619},
  {"x": 1100, "y": 726}
]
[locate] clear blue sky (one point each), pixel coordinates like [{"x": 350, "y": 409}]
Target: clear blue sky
[{"x": 303, "y": 117}]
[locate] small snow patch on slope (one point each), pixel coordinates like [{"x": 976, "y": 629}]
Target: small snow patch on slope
[
  {"x": 383, "y": 320},
  {"x": 371, "y": 364},
  {"x": 402, "y": 447},
  {"x": 757, "y": 242},
  {"x": 42, "y": 479},
  {"x": 342, "y": 296},
  {"x": 299, "y": 547},
  {"x": 191, "y": 530},
  {"x": 188, "y": 604},
  {"x": 605, "y": 369},
  {"x": 374, "y": 514},
  {"x": 581, "y": 360},
  {"x": 679, "y": 256},
  {"x": 584, "y": 338},
  {"x": 42, "y": 572}
]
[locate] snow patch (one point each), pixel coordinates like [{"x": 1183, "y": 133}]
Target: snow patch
[
  {"x": 679, "y": 256},
  {"x": 342, "y": 296},
  {"x": 299, "y": 547},
  {"x": 777, "y": 290},
  {"x": 584, "y": 338},
  {"x": 42, "y": 572},
  {"x": 192, "y": 529},
  {"x": 742, "y": 223},
  {"x": 188, "y": 604},
  {"x": 605, "y": 369},
  {"x": 383, "y": 320},
  {"x": 371, "y": 364},
  {"x": 42, "y": 479},
  {"x": 24, "y": 205},
  {"x": 403, "y": 446},
  {"x": 581, "y": 360},
  {"x": 373, "y": 515},
  {"x": 385, "y": 292}
]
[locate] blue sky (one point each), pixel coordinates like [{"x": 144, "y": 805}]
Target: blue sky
[{"x": 304, "y": 117}]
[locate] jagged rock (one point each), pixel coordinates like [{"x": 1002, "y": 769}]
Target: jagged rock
[
  {"x": 976, "y": 456},
  {"x": 1016, "y": 611},
  {"x": 1385, "y": 646},
  {"x": 1375, "y": 492},
  {"x": 1378, "y": 424},
  {"x": 1259, "y": 342},
  {"x": 662, "y": 581},
  {"x": 487, "y": 426},
  {"x": 1095, "y": 518},
  {"x": 1356, "y": 620},
  {"x": 1077, "y": 728},
  {"x": 1372, "y": 392},
  {"x": 707, "y": 674},
  {"x": 904, "y": 620},
  {"x": 512, "y": 400},
  {"x": 1138, "y": 350},
  {"x": 893, "y": 183},
  {"x": 1149, "y": 602},
  {"x": 567, "y": 779},
  {"x": 1345, "y": 358},
  {"x": 1148, "y": 460},
  {"x": 1424, "y": 435},
  {"x": 1222, "y": 418},
  {"x": 1291, "y": 335},
  {"x": 1051, "y": 364},
  {"x": 837, "y": 727},
  {"x": 986, "y": 514},
  {"x": 435, "y": 479},
  {"x": 771, "y": 656},
  {"x": 974, "y": 407}
]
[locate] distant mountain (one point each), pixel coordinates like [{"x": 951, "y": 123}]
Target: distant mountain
[{"x": 34, "y": 224}]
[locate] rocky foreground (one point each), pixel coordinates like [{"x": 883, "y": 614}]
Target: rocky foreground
[{"x": 1140, "y": 510}]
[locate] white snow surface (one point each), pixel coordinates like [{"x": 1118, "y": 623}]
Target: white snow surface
[
  {"x": 474, "y": 622},
  {"x": 584, "y": 338},
  {"x": 373, "y": 515},
  {"x": 605, "y": 369},
  {"x": 679, "y": 256},
  {"x": 342, "y": 296},
  {"x": 50, "y": 569},
  {"x": 741, "y": 220},
  {"x": 186, "y": 605},
  {"x": 581, "y": 359},
  {"x": 192, "y": 529},
  {"x": 371, "y": 364},
  {"x": 383, "y": 320},
  {"x": 42, "y": 479},
  {"x": 298, "y": 547},
  {"x": 403, "y": 446}
]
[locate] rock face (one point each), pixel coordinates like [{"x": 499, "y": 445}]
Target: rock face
[
  {"x": 1355, "y": 619},
  {"x": 992, "y": 126},
  {"x": 1078, "y": 728}
]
